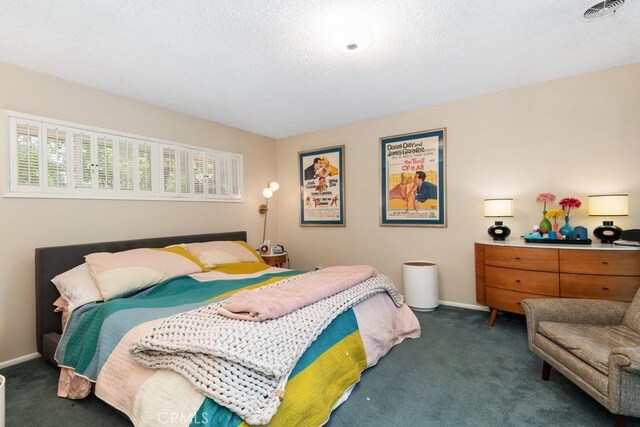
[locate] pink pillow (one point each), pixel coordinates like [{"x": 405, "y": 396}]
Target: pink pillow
[
  {"x": 121, "y": 273},
  {"x": 62, "y": 306}
]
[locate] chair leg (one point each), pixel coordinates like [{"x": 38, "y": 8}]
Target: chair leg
[
  {"x": 546, "y": 370},
  {"x": 620, "y": 420}
]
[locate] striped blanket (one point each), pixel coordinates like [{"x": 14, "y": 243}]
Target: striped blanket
[{"x": 96, "y": 341}]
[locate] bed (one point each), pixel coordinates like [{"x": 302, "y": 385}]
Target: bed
[{"x": 322, "y": 378}]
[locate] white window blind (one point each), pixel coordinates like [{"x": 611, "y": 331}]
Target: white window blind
[
  {"x": 57, "y": 157},
  {"x": 52, "y": 158},
  {"x": 82, "y": 162},
  {"x": 105, "y": 147},
  {"x": 169, "y": 170},
  {"x": 211, "y": 170},
  {"x": 199, "y": 177},
  {"x": 126, "y": 164},
  {"x": 184, "y": 171},
  {"x": 144, "y": 170},
  {"x": 27, "y": 137}
]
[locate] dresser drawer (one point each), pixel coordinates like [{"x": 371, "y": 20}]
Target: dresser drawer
[
  {"x": 537, "y": 282},
  {"x": 614, "y": 263},
  {"x": 522, "y": 258},
  {"x": 503, "y": 299},
  {"x": 614, "y": 288}
]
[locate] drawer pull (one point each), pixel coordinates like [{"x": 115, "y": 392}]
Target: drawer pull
[
  {"x": 519, "y": 303},
  {"x": 518, "y": 258},
  {"x": 605, "y": 262},
  {"x": 517, "y": 280},
  {"x": 605, "y": 289}
]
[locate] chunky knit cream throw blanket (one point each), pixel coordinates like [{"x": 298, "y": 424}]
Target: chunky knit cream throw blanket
[{"x": 244, "y": 365}]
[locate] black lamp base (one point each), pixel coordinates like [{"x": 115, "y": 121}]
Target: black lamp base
[
  {"x": 498, "y": 231},
  {"x": 607, "y": 232}
]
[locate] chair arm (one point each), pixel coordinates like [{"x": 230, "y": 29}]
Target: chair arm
[
  {"x": 628, "y": 358},
  {"x": 572, "y": 310}
]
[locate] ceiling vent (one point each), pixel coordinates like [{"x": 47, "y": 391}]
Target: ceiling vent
[{"x": 603, "y": 9}]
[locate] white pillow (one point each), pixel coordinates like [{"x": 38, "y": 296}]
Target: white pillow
[
  {"x": 77, "y": 287},
  {"x": 216, "y": 253}
]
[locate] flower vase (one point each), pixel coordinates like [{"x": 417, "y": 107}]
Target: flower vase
[
  {"x": 545, "y": 225},
  {"x": 555, "y": 227},
  {"x": 567, "y": 229}
]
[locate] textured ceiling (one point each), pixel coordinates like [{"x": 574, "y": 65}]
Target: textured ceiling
[{"x": 268, "y": 66}]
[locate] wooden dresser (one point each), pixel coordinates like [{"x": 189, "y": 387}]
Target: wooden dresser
[{"x": 508, "y": 272}]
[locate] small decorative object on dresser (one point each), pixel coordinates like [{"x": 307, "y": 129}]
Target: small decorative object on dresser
[
  {"x": 545, "y": 225},
  {"x": 498, "y": 208},
  {"x": 567, "y": 204},
  {"x": 507, "y": 273},
  {"x": 608, "y": 205}
]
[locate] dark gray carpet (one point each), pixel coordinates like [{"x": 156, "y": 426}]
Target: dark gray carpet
[{"x": 460, "y": 373}]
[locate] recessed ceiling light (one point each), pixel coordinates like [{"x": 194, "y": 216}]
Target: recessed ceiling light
[{"x": 603, "y": 9}]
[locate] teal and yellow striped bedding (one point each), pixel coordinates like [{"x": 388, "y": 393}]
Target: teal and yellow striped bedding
[{"x": 97, "y": 337}]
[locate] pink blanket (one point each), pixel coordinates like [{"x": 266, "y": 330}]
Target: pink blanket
[{"x": 271, "y": 303}]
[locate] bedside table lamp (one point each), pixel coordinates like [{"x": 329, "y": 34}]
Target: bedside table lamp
[
  {"x": 608, "y": 205},
  {"x": 267, "y": 192},
  {"x": 498, "y": 208}
]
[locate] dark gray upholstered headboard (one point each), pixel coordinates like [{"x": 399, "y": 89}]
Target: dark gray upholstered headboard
[{"x": 52, "y": 261}]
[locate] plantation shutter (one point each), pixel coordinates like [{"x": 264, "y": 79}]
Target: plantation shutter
[
  {"x": 225, "y": 190},
  {"x": 199, "y": 178},
  {"x": 105, "y": 162},
  {"x": 28, "y": 152},
  {"x": 169, "y": 170},
  {"x": 126, "y": 165},
  {"x": 52, "y": 158},
  {"x": 145, "y": 170},
  {"x": 236, "y": 177},
  {"x": 211, "y": 170},
  {"x": 82, "y": 164},
  {"x": 184, "y": 172},
  {"x": 57, "y": 155}
]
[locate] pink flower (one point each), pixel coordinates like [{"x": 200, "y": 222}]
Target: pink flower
[
  {"x": 568, "y": 203},
  {"x": 545, "y": 197}
]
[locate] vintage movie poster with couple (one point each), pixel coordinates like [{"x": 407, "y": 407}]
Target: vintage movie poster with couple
[
  {"x": 413, "y": 179},
  {"x": 322, "y": 186}
]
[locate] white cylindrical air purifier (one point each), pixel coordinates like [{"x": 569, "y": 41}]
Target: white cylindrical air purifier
[{"x": 421, "y": 285}]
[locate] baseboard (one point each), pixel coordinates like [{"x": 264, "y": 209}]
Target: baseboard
[
  {"x": 463, "y": 305},
  {"x": 20, "y": 359}
]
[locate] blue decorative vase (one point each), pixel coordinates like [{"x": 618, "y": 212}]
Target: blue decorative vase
[{"x": 567, "y": 230}]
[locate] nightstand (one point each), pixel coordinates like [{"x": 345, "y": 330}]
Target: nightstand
[{"x": 276, "y": 260}]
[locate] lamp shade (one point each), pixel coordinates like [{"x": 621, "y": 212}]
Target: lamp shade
[
  {"x": 609, "y": 205},
  {"x": 267, "y": 193},
  {"x": 498, "y": 207}
]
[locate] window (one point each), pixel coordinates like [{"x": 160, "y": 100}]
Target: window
[{"x": 50, "y": 158}]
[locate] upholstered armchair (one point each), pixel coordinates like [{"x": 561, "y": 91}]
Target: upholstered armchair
[{"x": 594, "y": 343}]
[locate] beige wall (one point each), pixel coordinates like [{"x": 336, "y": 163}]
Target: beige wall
[
  {"x": 26, "y": 224},
  {"x": 573, "y": 137}
]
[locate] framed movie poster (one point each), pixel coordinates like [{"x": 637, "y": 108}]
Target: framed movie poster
[
  {"x": 413, "y": 179},
  {"x": 322, "y": 187}
]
